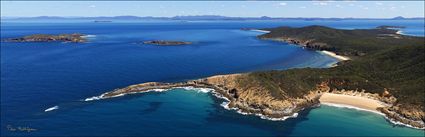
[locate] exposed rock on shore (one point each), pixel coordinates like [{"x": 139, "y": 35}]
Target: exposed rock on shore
[
  {"x": 391, "y": 72},
  {"x": 357, "y": 42},
  {"x": 255, "y": 99},
  {"x": 408, "y": 115}
]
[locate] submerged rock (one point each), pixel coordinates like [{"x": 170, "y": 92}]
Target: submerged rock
[{"x": 166, "y": 43}]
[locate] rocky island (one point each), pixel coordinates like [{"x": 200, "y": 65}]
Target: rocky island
[
  {"x": 166, "y": 43},
  {"x": 75, "y": 37},
  {"x": 388, "y": 72}
]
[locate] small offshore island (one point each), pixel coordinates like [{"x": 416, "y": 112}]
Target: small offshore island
[
  {"x": 384, "y": 75},
  {"x": 75, "y": 37},
  {"x": 166, "y": 43}
]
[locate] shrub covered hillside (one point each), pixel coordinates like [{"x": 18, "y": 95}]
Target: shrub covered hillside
[
  {"x": 356, "y": 42},
  {"x": 395, "y": 63}
]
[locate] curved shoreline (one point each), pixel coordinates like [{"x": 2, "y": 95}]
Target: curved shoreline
[
  {"x": 350, "y": 100},
  {"x": 230, "y": 102},
  {"x": 275, "y": 104},
  {"x": 303, "y": 45},
  {"x": 334, "y": 55},
  {"x": 218, "y": 93},
  {"x": 392, "y": 121}
]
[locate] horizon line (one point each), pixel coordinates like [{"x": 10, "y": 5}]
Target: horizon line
[{"x": 70, "y": 17}]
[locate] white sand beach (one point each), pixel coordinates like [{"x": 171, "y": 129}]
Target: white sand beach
[
  {"x": 355, "y": 101},
  {"x": 332, "y": 54}
]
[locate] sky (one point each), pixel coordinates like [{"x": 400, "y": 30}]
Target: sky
[{"x": 325, "y": 9}]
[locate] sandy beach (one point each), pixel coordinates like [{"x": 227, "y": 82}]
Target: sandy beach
[
  {"x": 335, "y": 55},
  {"x": 355, "y": 101}
]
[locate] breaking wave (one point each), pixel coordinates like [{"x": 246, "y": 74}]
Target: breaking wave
[
  {"x": 51, "y": 108},
  {"x": 376, "y": 112}
]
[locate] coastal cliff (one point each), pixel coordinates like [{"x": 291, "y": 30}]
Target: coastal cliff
[
  {"x": 387, "y": 67},
  {"x": 259, "y": 100}
]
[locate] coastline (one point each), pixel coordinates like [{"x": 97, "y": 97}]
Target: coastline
[
  {"x": 349, "y": 100},
  {"x": 334, "y": 55},
  {"x": 337, "y": 98},
  {"x": 304, "y": 44},
  {"x": 256, "y": 100},
  {"x": 361, "y": 104}
]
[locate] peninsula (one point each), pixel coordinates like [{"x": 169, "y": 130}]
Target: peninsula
[
  {"x": 75, "y": 37},
  {"x": 384, "y": 75}
]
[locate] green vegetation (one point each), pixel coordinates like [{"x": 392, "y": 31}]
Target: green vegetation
[
  {"x": 47, "y": 38},
  {"x": 356, "y": 42},
  {"x": 395, "y": 63}
]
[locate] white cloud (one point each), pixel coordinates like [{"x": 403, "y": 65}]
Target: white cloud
[
  {"x": 338, "y": 6},
  {"x": 379, "y": 3},
  {"x": 92, "y": 6},
  {"x": 282, "y": 4},
  {"x": 303, "y": 7}
]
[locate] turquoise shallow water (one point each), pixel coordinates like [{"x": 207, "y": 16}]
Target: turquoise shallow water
[
  {"x": 37, "y": 76},
  {"x": 336, "y": 121},
  {"x": 191, "y": 112}
]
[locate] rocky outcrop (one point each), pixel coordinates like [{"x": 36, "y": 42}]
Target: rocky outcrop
[
  {"x": 75, "y": 37},
  {"x": 279, "y": 94},
  {"x": 309, "y": 44},
  {"x": 166, "y": 43},
  {"x": 255, "y": 99},
  {"x": 412, "y": 118}
]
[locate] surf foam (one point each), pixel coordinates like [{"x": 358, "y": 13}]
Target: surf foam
[
  {"x": 199, "y": 90},
  {"x": 88, "y": 36},
  {"x": 224, "y": 104},
  {"x": 51, "y": 108},
  {"x": 351, "y": 107},
  {"x": 376, "y": 112},
  {"x": 258, "y": 30}
]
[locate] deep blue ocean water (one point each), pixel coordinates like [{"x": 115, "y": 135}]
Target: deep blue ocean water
[{"x": 36, "y": 76}]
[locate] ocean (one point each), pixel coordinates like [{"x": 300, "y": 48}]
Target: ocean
[{"x": 38, "y": 76}]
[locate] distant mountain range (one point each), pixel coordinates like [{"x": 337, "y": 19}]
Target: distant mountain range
[{"x": 198, "y": 17}]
